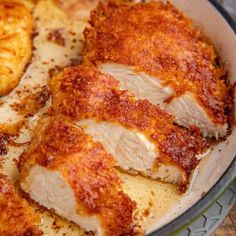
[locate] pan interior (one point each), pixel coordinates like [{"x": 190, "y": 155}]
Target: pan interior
[{"x": 158, "y": 203}]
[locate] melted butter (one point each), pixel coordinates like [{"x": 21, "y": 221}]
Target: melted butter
[
  {"x": 153, "y": 198},
  {"x": 52, "y": 225}
]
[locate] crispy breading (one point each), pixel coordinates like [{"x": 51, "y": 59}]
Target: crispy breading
[
  {"x": 89, "y": 170},
  {"x": 16, "y": 216},
  {"x": 15, "y": 43},
  {"x": 85, "y": 93},
  {"x": 158, "y": 39}
]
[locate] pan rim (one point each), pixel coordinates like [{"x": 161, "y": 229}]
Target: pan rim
[{"x": 219, "y": 187}]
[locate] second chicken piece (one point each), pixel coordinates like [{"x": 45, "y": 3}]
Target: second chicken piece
[
  {"x": 65, "y": 170},
  {"x": 141, "y": 137},
  {"x": 157, "y": 53}
]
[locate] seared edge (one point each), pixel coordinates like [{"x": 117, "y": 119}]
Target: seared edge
[
  {"x": 16, "y": 216},
  {"x": 88, "y": 169},
  {"x": 85, "y": 93},
  {"x": 158, "y": 39}
]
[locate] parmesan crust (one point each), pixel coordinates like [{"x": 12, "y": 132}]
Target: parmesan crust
[
  {"x": 16, "y": 216},
  {"x": 88, "y": 170},
  {"x": 15, "y": 43},
  {"x": 85, "y": 93},
  {"x": 156, "y": 38}
]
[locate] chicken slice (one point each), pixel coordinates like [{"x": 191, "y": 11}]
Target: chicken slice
[
  {"x": 15, "y": 43},
  {"x": 141, "y": 137},
  {"x": 65, "y": 170},
  {"x": 157, "y": 54},
  {"x": 16, "y": 216}
]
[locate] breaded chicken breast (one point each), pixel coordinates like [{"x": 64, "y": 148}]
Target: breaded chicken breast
[
  {"x": 15, "y": 43},
  {"x": 140, "y": 136},
  {"x": 158, "y": 54},
  {"x": 16, "y": 216},
  {"x": 56, "y": 45},
  {"x": 65, "y": 170}
]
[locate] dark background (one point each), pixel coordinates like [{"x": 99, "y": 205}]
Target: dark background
[{"x": 229, "y": 6}]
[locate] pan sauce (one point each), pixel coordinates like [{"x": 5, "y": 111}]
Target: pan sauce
[{"x": 158, "y": 203}]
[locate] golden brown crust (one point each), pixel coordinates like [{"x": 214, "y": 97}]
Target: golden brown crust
[
  {"x": 30, "y": 104},
  {"x": 82, "y": 92},
  {"x": 16, "y": 216},
  {"x": 87, "y": 168},
  {"x": 158, "y": 39},
  {"x": 11, "y": 129},
  {"x": 15, "y": 43}
]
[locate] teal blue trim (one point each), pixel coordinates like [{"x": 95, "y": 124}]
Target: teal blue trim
[{"x": 204, "y": 211}]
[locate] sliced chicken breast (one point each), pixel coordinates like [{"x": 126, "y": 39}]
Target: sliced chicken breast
[
  {"x": 157, "y": 54},
  {"x": 66, "y": 171},
  {"x": 141, "y": 137},
  {"x": 16, "y": 216},
  {"x": 56, "y": 44},
  {"x": 15, "y": 43}
]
